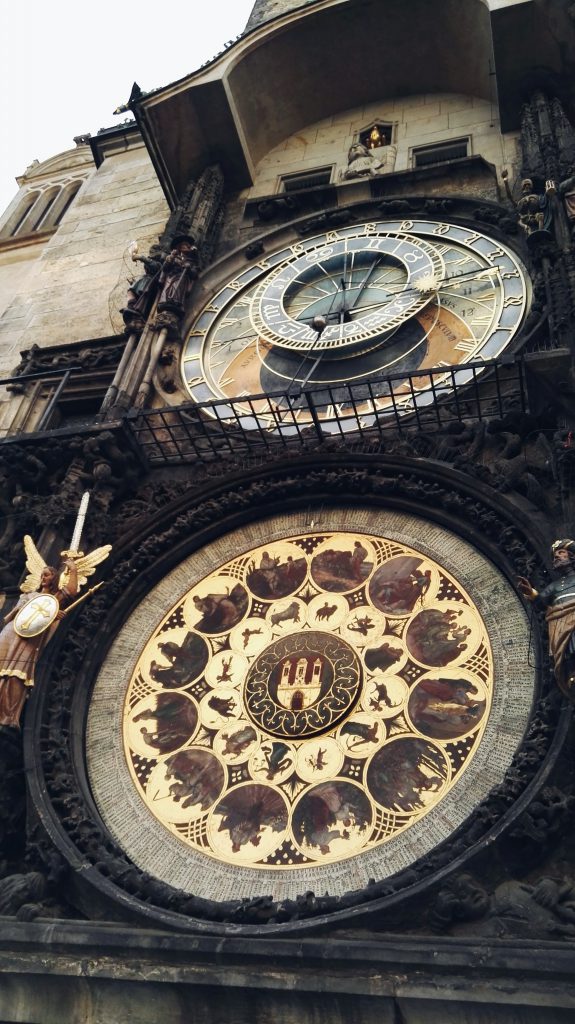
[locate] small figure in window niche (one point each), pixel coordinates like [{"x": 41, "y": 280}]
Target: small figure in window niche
[
  {"x": 46, "y": 593},
  {"x": 179, "y": 271},
  {"x": 533, "y": 208},
  {"x": 375, "y": 139},
  {"x": 559, "y": 600}
]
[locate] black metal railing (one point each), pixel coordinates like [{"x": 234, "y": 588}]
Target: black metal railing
[
  {"x": 60, "y": 377},
  {"x": 425, "y": 400},
  {"x": 358, "y": 414}
]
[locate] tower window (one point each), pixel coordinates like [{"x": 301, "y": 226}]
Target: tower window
[
  {"x": 17, "y": 219},
  {"x": 305, "y": 179},
  {"x": 66, "y": 199},
  {"x": 42, "y": 210},
  {"x": 440, "y": 152}
]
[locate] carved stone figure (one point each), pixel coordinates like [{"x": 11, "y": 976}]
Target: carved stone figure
[
  {"x": 566, "y": 190},
  {"x": 360, "y": 162},
  {"x": 559, "y": 600},
  {"x": 20, "y": 895},
  {"x": 18, "y": 654},
  {"x": 179, "y": 271},
  {"x": 110, "y": 470},
  {"x": 533, "y": 208},
  {"x": 143, "y": 290},
  {"x": 515, "y": 909}
]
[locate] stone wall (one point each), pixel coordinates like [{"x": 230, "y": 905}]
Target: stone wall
[
  {"x": 17, "y": 266},
  {"x": 28, "y": 222},
  {"x": 416, "y": 120},
  {"x": 89, "y": 973},
  {"x": 70, "y": 289}
]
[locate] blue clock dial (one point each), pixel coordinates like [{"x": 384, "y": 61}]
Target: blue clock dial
[{"x": 350, "y": 307}]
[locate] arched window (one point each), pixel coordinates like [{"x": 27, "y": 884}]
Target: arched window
[
  {"x": 64, "y": 202},
  {"x": 17, "y": 219},
  {"x": 42, "y": 210}
]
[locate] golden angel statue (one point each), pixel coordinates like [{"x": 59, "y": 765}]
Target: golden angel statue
[{"x": 47, "y": 593}]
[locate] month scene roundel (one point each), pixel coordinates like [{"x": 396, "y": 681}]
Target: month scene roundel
[{"x": 303, "y": 704}]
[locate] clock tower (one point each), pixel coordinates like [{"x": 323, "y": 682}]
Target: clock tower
[{"x": 301, "y": 752}]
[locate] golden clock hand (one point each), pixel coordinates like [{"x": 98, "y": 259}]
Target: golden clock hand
[
  {"x": 331, "y": 311},
  {"x": 340, "y": 313},
  {"x": 343, "y": 311},
  {"x": 372, "y": 305}
]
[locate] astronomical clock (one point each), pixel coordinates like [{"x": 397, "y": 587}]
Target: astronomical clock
[
  {"x": 310, "y": 702},
  {"x": 337, "y": 311},
  {"x": 308, "y": 705},
  {"x": 313, "y": 674}
]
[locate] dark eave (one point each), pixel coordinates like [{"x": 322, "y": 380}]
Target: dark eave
[{"x": 337, "y": 55}]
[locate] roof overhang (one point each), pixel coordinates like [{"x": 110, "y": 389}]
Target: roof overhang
[{"x": 334, "y": 55}]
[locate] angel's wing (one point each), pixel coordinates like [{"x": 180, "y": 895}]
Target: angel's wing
[
  {"x": 35, "y": 565},
  {"x": 86, "y": 565}
]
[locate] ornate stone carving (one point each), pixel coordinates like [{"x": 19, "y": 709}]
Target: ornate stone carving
[
  {"x": 547, "y": 139},
  {"x": 255, "y": 249},
  {"x": 533, "y": 209},
  {"x": 89, "y": 357},
  {"x": 12, "y": 796},
  {"x": 330, "y": 219},
  {"x": 363, "y": 162},
  {"x": 199, "y": 213},
  {"x": 143, "y": 291},
  {"x": 167, "y": 276},
  {"x": 282, "y": 206},
  {"x": 20, "y": 895},
  {"x": 547, "y": 817},
  {"x": 542, "y": 909}
]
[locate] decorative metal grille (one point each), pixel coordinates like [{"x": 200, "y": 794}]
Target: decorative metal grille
[{"x": 255, "y": 424}]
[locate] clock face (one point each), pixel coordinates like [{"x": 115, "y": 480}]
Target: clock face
[
  {"x": 308, "y": 708},
  {"x": 335, "y": 312}
]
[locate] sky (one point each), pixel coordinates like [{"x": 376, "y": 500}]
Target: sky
[{"x": 65, "y": 66}]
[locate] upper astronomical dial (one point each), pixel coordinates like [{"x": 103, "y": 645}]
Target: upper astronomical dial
[
  {"x": 360, "y": 288},
  {"x": 342, "y": 309}
]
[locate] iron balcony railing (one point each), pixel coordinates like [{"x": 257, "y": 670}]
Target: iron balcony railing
[
  {"x": 366, "y": 413},
  {"x": 357, "y": 414}
]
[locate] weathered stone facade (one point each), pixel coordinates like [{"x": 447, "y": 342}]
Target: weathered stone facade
[{"x": 476, "y": 927}]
